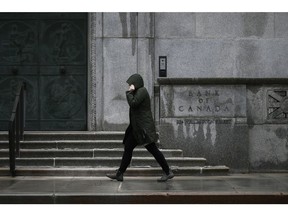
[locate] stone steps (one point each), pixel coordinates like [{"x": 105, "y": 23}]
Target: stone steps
[
  {"x": 87, "y": 153},
  {"x": 102, "y": 161},
  {"x": 66, "y": 144},
  {"x": 68, "y": 135},
  {"x": 92, "y": 153},
  {"x": 102, "y": 171}
]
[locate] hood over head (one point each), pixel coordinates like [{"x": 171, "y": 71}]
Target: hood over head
[{"x": 136, "y": 80}]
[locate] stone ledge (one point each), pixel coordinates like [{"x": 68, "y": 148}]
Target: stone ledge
[
  {"x": 222, "y": 81},
  {"x": 189, "y": 171}
]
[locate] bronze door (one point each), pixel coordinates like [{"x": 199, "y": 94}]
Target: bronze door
[{"x": 49, "y": 52}]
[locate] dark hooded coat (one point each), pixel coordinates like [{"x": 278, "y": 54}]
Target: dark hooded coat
[{"x": 141, "y": 121}]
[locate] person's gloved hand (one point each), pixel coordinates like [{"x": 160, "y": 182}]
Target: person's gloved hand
[{"x": 131, "y": 87}]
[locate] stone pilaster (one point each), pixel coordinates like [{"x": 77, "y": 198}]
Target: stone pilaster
[{"x": 91, "y": 115}]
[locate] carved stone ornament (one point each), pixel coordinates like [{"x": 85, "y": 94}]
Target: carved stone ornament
[{"x": 277, "y": 104}]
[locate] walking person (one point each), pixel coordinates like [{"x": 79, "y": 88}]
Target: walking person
[{"x": 141, "y": 130}]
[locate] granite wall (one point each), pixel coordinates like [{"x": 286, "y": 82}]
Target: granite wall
[
  {"x": 205, "y": 121},
  {"x": 223, "y": 44},
  {"x": 268, "y": 129},
  {"x": 197, "y": 45},
  {"x": 121, "y": 44}
]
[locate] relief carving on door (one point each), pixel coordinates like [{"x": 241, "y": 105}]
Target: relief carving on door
[
  {"x": 64, "y": 43},
  {"x": 18, "y": 43},
  {"x": 49, "y": 52},
  {"x": 62, "y": 98}
]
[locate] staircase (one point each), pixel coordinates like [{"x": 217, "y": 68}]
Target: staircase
[{"x": 88, "y": 153}]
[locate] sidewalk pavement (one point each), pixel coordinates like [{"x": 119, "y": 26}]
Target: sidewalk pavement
[{"x": 254, "y": 188}]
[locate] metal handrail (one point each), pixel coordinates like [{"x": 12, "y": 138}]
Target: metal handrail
[{"x": 16, "y": 126}]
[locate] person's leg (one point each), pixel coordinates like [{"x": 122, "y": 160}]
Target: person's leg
[
  {"x": 152, "y": 148},
  {"x": 130, "y": 144}
]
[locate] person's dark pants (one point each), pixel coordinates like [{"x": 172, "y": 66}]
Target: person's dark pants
[{"x": 130, "y": 144}]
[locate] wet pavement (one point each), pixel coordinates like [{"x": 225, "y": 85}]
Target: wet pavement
[{"x": 233, "y": 188}]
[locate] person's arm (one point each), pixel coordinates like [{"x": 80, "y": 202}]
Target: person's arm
[{"x": 134, "y": 100}]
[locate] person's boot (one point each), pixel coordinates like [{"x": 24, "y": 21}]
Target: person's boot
[
  {"x": 117, "y": 176},
  {"x": 166, "y": 177}
]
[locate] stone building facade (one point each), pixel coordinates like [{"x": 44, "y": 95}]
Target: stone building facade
[
  {"x": 229, "y": 105},
  {"x": 223, "y": 93}
]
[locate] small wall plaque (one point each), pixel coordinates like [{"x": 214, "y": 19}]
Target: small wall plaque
[{"x": 162, "y": 66}]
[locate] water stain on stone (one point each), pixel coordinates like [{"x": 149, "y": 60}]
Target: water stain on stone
[
  {"x": 151, "y": 41},
  {"x": 170, "y": 98},
  {"x": 151, "y": 24},
  {"x": 281, "y": 133},
  {"x": 248, "y": 57},
  {"x": 119, "y": 97},
  {"x": 254, "y": 24},
  {"x": 151, "y": 53},
  {"x": 133, "y": 31},
  {"x": 123, "y": 19},
  {"x": 133, "y": 24},
  {"x": 133, "y": 28},
  {"x": 254, "y": 89}
]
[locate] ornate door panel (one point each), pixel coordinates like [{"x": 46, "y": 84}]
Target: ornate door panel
[
  {"x": 63, "y": 42},
  {"x": 48, "y": 52},
  {"x": 63, "y": 95}
]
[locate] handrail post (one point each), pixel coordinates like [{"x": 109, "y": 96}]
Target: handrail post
[
  {"x": 16, "y": 127},
  {"x": 12, "y": 147},
  {"x": 17, "y": 122},
  {"x": 22, "y": 112}
]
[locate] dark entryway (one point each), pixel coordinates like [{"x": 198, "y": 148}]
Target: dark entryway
[{"x": 49, "y": 52}]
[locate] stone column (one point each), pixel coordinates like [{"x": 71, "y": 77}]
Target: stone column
[{"x": 94, "y": 80}]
